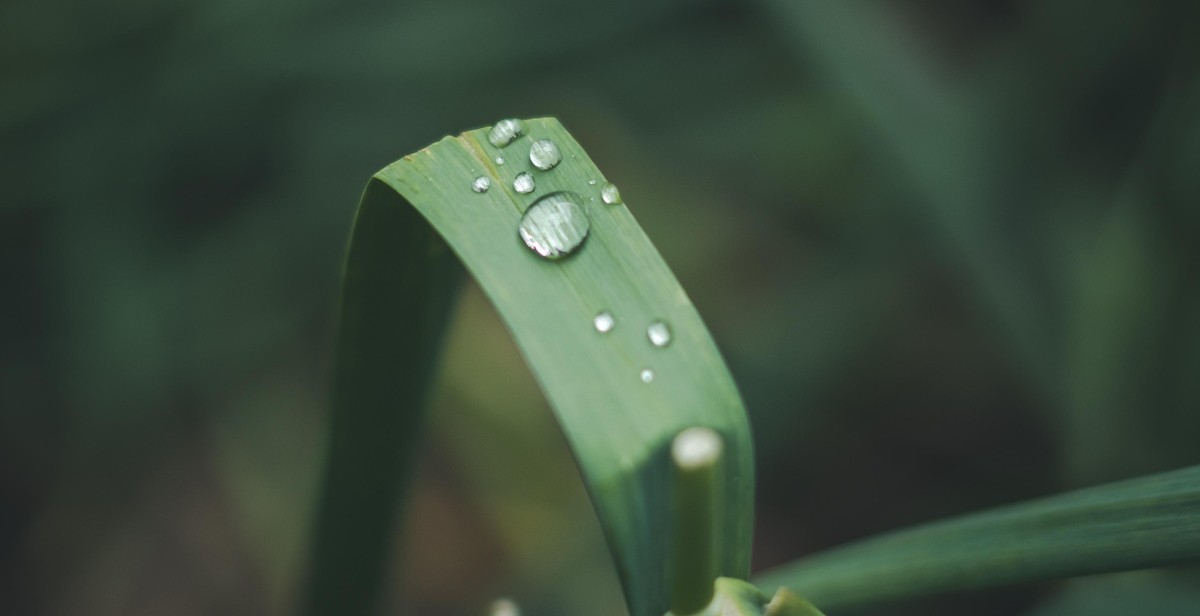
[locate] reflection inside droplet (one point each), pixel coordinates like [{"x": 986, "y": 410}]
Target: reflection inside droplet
[
  {"x": 505, "y": 132},
  {"x": 524, "y": 183},
  {"x": 554, "y": 226},
  {"x": 544, "y": 154}
]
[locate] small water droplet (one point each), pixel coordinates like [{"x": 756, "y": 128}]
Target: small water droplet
[
  {"x": 610, "y": 194},
  {"x": 604, "y": 322},
  {"x": 647, "y": 375},
  {"x": 554, "y": 226},
  {"x": 524, "y": 183},
  {"x": 505, "y": 132},
  {"x": 592, "y": 182},
  {"x": 481, "y": 184},
  {"x": 659, "y": 333},
  {"x": 499, "y": 160},
  {"x": 544, "y": 154}
]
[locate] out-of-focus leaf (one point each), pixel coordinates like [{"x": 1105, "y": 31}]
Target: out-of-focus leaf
[
  {"x": 1147, "y": 522},
  {"x": 1122, "y": 595},
  {"x": 934, "y": 135}
]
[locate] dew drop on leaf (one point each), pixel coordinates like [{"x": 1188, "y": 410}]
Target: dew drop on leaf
[
  {"x": 604, "y": 322},
  {"x": 505, "y": 132},
  {"x": 647, "y": 375},
  {"x": 481, "y": 184},
  {"x": 524, "y": 183},
  {"x": 554, "y": 226},
  {"x": 659, "y": 333},
  {"x": 544, "y": 154},
  {"x": 610, "y": 194}
]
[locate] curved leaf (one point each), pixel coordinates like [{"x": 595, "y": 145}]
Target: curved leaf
[{"x": 618, "y": 426}]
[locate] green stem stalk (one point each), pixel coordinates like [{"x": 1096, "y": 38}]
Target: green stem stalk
[{"x": 696, "y": 455}]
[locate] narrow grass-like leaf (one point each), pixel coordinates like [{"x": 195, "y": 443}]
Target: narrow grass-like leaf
[
  {"x": 397, "y": 285},
  {"x": 1141, "y": 523},
  {"x": 618, "y": 425}
]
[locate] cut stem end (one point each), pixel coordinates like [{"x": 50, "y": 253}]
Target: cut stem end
[{"x": 696, "y": 457}]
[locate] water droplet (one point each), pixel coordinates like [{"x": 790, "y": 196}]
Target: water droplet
[
  {"x": 544, "y": 154},
  {"x": 499, "y": 160},
  {"x": 481, "y": 184},
  {"x": 505, "y": 132},
  {"x": 610, "y": 194},
  {"x": 554, "y": 226},
  {"x": 659, "y": 333},
  {"x": 523, "y": 183},
  {"x": 604, "y": 322},
  {"x": 592, "y": 182},
  {"x": 647, "y": 375}
]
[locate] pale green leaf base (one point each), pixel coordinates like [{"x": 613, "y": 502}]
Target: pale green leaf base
[{"x": 740, "y": 598}]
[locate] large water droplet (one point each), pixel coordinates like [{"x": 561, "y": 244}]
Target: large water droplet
[
  {"x": 505, "y": 132},
  {"x": 481, "y": 184},
  {"x": 610, "y": 194},
  {"x": 659, "y": 333},
  {"x": 544, "y": 154},
  {"x": 646, "y": 375},
  {"x": 554, "y": 226},
  {"x": 524, "y": 183},
  {"x": 604, "y": 322}
]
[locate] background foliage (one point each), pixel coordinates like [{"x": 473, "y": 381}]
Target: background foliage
[{"x": 945, "y": 247}]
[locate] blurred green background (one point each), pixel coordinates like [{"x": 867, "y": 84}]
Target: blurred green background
[{"x": 947, "y": 249}]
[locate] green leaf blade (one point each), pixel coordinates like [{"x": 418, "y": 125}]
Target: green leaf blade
[
  {"x": 1141, "y": 523},
  {"x": 618, "y": 426},
  {"x": 399, "y": 282}
]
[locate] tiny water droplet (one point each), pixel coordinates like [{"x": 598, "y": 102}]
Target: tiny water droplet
[
  {"x": 604, "y": 322},
  {"x": 481, "y": 184},
  {"x": 544, "y": 154},
  {"x": 647, "y": 375},
  {"x": 610, "y": 194},
  {"x": 499, "y": 160},
  {"x": 659, "y": 333},
  {"x": 505, "y": 132},
  {"x": 523, "y": 183},
  {"x": 554, "y": 226},
  {"x": 592, "y": 182}
]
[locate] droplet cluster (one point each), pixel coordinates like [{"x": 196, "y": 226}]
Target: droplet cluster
[{"x": 556, "y": 225}]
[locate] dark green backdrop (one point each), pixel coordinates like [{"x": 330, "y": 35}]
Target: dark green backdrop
[{"x": 948, "y": 249}]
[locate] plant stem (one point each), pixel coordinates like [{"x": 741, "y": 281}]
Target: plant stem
[{"x": 695, "y": 454}]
